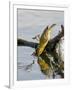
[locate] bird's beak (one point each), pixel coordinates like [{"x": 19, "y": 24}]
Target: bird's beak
[{"x": 50, "y": 28}]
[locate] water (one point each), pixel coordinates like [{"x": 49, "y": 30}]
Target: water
[
  {"x": 31, "y": 23},
  {"x": 24, "y": 59}
]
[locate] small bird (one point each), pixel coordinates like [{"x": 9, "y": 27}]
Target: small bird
[{"x": 45, "y": 37}]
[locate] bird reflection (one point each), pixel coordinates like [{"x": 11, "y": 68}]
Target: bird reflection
[
  {"x": 49, "y": 68},
  {"x": 45, "y": 68}
]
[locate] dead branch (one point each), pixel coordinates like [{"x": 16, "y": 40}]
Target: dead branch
[{"x": 21, "y": 42}]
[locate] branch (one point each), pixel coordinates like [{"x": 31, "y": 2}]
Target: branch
[{"x": 21, "y": 42}]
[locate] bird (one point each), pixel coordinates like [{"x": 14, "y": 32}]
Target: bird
[{"x": 44, "y": 39}]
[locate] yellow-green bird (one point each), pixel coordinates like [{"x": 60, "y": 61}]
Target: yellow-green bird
[{"x": 45, "y": 37}]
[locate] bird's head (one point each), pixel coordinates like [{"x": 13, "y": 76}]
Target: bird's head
[{"x": 50, "y": 28}]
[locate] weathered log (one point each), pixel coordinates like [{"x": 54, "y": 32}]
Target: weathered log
[{"x": 21, "y": 42}]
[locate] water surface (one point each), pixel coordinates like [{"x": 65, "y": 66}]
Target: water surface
[{"x": 29, "y": 24}]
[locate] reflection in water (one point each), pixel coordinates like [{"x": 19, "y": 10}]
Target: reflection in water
[
  {"x": 49, "y": 67},
  {"x": 25, "y": 67},
  {"x": 34, "y": 68},
  {"x": 45, "y": 68}
]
